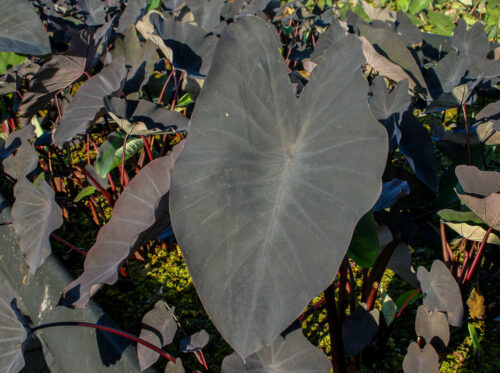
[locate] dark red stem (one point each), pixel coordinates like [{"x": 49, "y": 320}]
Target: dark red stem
[
  {"x": 478, "y": 255},
  {"x": 407, "y": 301},
  {"x": 99, "y": 186},
  {"x": 337, "y": 346},
  {"x": 467, "y": 135},
  {"x": 62, "y": 240}
]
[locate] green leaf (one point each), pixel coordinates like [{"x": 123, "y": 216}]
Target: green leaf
[
  {"x": 460, "y": 217},
  {"x": 474, "y": 338},
  {"x": 364, "y": 245},
  {"x": 358, "y": 9},
  {"x": 468, "y": 225},
  {"x": 185, "y": 100},
  {"x": 403, "y": 5},
  {"x": 132, "y": 148},
  {"x": 389, "y": 308},
  {"x": 442, "y": 24},
  {"x": 153, "y": 5},
  {"x": 416, "y": 6},
  {"x": 106, "y": 155},
  {"x": 404, "y": 297},
  {"x": 84, "y": 193},
  {"x": 9, "y": 59}
]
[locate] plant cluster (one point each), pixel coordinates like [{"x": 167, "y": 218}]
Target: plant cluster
[{"x": 289, "y": 149}]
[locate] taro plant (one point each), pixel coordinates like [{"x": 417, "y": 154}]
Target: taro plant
[{"x": 322, "y": 144}]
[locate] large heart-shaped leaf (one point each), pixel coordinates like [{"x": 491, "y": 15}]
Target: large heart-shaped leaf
[
  {"x": 12, "y": 332},
  {"x": 441, "y": 292},
  {"x": 133, "y": 12},
  {"x": 35, "y": 215},
  {"x": 21, "y": 30},
  {"x": 432, "y": 324},
  {"x": 421, "y": 361},
  {"x": 269, "y": 188},
  {"x": 89, "y": 101},
  {"x": 134, "y": 212},
  {"x": 291, "y": 353},
  {"x": 158, "y": 328}
]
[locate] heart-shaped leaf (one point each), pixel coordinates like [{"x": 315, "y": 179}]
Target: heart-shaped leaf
[
  {"x": 89, "y": 101},
  {"x": 133, "y": 12},
  {"x": 12, "y": 332},
  {"x": 441, "y": 292},
  {"x": 359, "y": 328},
  {"x": 489, "y": 111},
  {"x": 21, "y": 30},
  {"x": 269, "y": 188},
  {"x": 93, "y": 11},
  {"x": 26, "y": 158},
  {"x": 421, "y": 361},
  {"x": 473, "y": 45},
  {"x": 194, "y": 342},
  {"x": 158, "y": 328},
  {"x": 432, "y": 324},
  {"x": 116, "y": 239},
  {"x": 35, "y": 215},
  {"x": 175, "y": 367},
  {"x": 289, "y": 353}
]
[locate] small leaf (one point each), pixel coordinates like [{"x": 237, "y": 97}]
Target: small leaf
[
  {"x": 359, "y": 328},
  {"x": 158, "y": 328},
  {"x": 106, "y": 155},
  {"x": 85, "y": 192},
  {"x": 441, "y": 291},
  {"x": 289, "y": 353},
  {"x": 389, "y": 308},
  {"x": 474, "y": 339},
  {"x": 364, "y": 247},
  {"x": 194, "y": 342},
  {"x": 432, "y": 324},
  {"x": 175, "y": 367},
  {"x": 421, "y": 361}
]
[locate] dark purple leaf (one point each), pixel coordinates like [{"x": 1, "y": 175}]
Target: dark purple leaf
[
  {"x": 489, "y": 111},
  {"x": 473, "y": 44},
  {"x": 144, "y": 117},
  {"x": 12, "y": 332},
  {"x": 35, "y": 215},
  {"x": 117, "y": 238},
  {"x": 447, "y": 74},
  {"x": 359, "y": 328},
  {"x": 384, "y": 104},
  {"x": 93, "y": 11},
  {"x": 21, "y": 30},
  {"x": 333, "y": 33},
  {"x": 133, "y": 12},
  {"x": 400, "y": 263},
  {"x": 432, "y": 324},
  {"x": 478, "y": 182},
  {"x": 206, "y": 12},
  {"x": 289, "y": 353},
  {"x": 441, "y": 292},
  {"x": 88, "y": 102},
  {"x": 194, "y": 342},
  {"x": 26, "y": 158},
  {"x": 395, "y": 50},
  {"x": 263, "y": 177},
  {"x": 421, "y": 361},
  {"x": 158, "y": 328},
  {"x": 188, "y": 47},
  {"x": 139, "y": 59},
  {"x": 407, "y": 30}
]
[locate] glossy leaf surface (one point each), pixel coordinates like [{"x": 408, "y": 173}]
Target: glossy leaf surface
[{"x": 269, "y": 188}]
